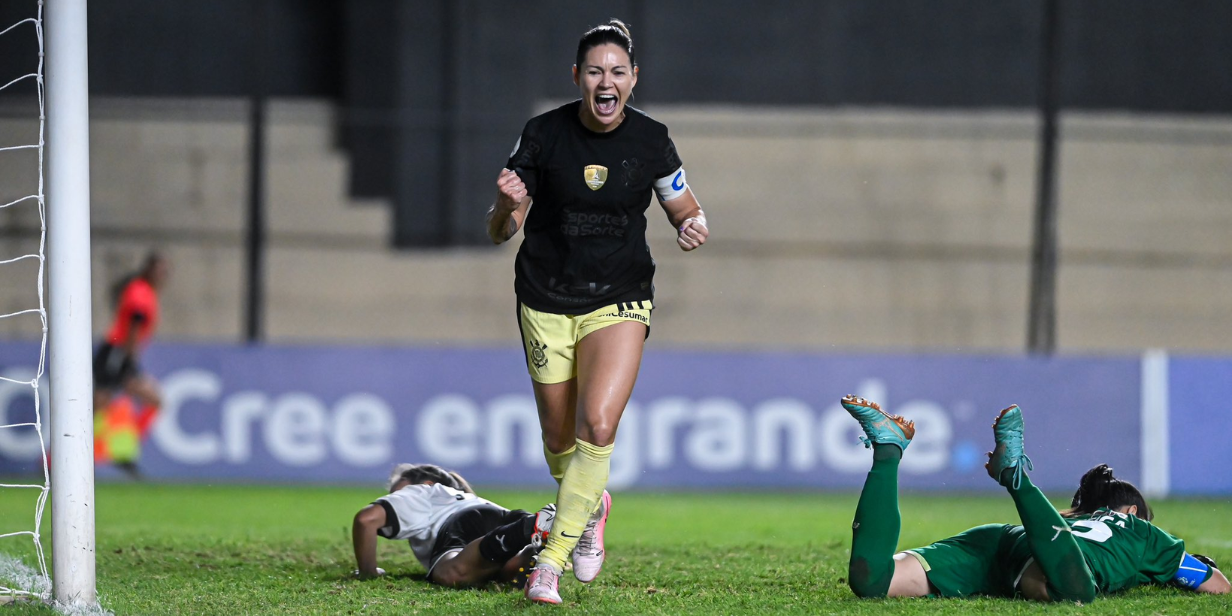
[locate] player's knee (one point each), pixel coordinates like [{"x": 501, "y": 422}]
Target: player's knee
[
  {"x": 452, "y": 574},
  {"x": 1084, "y": 593},
  {"x": 599, "y": 434},
  {"x": 444, "y": 578},
  {"x": 865, "y": 590},
  {"x": 1073, "y": 584},
  {"x": 862, "y": 582},
  {"x": 558, "y": 443},
  {"x": 1077, "y": 597}
]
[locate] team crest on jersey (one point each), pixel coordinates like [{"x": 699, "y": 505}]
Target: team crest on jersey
[
  {"x": 596, "y": 175},
  {"x": 634, "y": 169},
  {"x": 537, "y": 355}
]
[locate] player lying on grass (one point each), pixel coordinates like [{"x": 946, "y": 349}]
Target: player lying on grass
[
  {"x": 461, "y": 539},
  {"x": 1103, "y": 544}
]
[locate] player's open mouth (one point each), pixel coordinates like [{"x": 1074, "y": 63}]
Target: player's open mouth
[{"x": 605, "y": 104}]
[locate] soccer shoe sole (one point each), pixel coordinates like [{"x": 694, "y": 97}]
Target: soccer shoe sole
[
  {"x": 1007, "y": 433},
  {"x": 879, "y": 426}
]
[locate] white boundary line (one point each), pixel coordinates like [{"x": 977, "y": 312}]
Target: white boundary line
[
  {"x": 26, "y": 582},
  {"x": 34, "y": 587}
]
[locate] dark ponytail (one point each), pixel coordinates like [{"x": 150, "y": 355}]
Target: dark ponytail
[
  {"x": 460, "y": 483},
  {"x": 419, "y": 473},
  {"x": 1099, "y": 489},
  {"x": 615, "y": 32}
]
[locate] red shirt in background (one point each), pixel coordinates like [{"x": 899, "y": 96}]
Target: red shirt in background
[{"x": 139, "y": 300}]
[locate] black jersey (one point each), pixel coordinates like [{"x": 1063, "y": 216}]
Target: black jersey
[{"x": 585, "y": 245}]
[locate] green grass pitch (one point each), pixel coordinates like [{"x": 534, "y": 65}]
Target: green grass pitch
[{"x": 196, "y": 549}]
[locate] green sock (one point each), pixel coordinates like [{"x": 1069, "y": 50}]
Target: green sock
[
  {"x": 1052, "y": 544},
  {"x": 874, "y": 534}
]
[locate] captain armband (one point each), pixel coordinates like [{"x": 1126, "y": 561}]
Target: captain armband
[
  {"x": 671, "y": 186},
  {"x": 1192, "y": 572}
]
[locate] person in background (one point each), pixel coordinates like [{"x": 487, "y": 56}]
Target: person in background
[{"x": 126, "y": 400}]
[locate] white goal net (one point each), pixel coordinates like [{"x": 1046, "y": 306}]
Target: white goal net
[{"x": 21, "y": 428}]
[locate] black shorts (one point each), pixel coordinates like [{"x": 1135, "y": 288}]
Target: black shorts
[
  {"x": 113, "y": 367},
  {"x": 468, "y": 525}
]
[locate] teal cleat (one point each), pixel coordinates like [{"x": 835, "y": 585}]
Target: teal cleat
[
  {"x": 879, "y": 427},
  {"x": 1007, "y": 432}
]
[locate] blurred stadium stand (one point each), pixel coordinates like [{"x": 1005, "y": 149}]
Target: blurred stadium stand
[{"x": 869, "y": 168}]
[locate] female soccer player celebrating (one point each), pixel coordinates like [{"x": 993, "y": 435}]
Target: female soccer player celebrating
[
  {"x": 584, "y": 278},
  {"x": 1103, "y": 544}
]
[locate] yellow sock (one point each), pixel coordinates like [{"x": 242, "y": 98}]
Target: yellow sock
[
  {"x": 578, "y": 496},
  {"x": 558, "y": 462}
]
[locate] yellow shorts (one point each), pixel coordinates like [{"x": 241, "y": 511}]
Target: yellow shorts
[{"x": 550, "y": 340}]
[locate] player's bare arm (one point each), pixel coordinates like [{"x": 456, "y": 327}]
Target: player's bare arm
[
  {"x": 686, "y": 215},
  {"x": 509, "y": 210},
  {"x": 363, "y": 536}
]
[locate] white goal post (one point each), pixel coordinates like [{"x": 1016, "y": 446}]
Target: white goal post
[{"x": 70, "y": 334}]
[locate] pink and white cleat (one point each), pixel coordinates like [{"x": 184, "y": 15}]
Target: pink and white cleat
[
  {"x": 541, "y": 586},
  {"x": 588, "y": 555}
]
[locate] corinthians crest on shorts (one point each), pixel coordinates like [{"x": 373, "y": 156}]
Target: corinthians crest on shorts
[
  {"x": 596, "y": 175},
  {"x": 537, "y": 355}
]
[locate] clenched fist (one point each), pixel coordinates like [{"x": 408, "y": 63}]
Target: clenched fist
[
  {"x": 510, "y": 191},
  {"x": 693, "y": 233}
]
